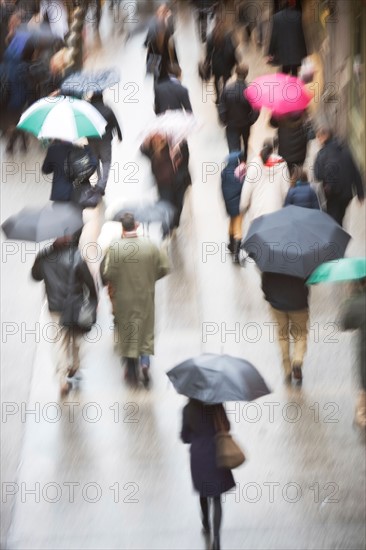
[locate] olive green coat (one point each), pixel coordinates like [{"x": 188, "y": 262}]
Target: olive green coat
[{"x": 132, "y": 266}]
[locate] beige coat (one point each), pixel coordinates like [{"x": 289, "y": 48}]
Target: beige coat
[
  {"x": 265, "y": 188},
  {"x": 132, "y": 267}
]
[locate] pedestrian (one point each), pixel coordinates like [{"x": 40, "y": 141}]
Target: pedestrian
[
  {"x": 170, "y": 94},
  {"x": 132, "y": 266},
  {"x": 232, "y": 179},
  {"x": 56, "y": 14},
  {"x": 294, "y": 133},
  {"x": 102, "y": 147},
  {"x": 302, "y": 194},
  {"x": 220, "y": 56},
  {"x": 287, "y": 46},
  {"x": 266, "y": 183},
  {"x": 199, "y": 429},
  {"x": 160, "y": 43},
  {"x": 65, "y": 274},
  {"x": 354, "y": 318},
  {"x": 247, "y": 18},
  {"x": 206, "y": 9},
  {"x": 236, "y": 113},
  {"x": 288, "y": 298},
  {"x": 336, "y": 169},
  {"x": 169, "y": 165}
]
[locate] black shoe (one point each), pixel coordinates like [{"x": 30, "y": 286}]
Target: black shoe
[
  {"x": 230, "y": 244},
  {"x": 206, "y": 526},
  {"x": 297, "y": 372},
  {"x": 145, "y": 375},
  {"x": 288, "y": 379},
  {"x": 236, "y": 251}
]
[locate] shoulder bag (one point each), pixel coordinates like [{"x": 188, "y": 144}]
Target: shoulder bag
[{"x": 228, "y": 453}]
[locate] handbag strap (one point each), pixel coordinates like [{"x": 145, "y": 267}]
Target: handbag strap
[{"x": 219, "y": 422}]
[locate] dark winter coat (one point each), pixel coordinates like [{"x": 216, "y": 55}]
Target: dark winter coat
[
  {"x": 354, "y": 317},
  {"x": 292, "y": 138},
  {"x": 170, "y": 94},
  {"x": 302, "y": 195},
  {"x": 112, "y": 127},
  {"x": 336, "y": 169},
  {"x": 234, "y": 109},
  {"x": 222, "y": 56},
  {"x": 231, "y": 186},
  {"x": 287, "y": 44},
  {"x": 198, "y": 429},
  {"x": 53, "y": 265},
  {"x": 62, "y": 187},
  {"x": 284, "y": 292}
]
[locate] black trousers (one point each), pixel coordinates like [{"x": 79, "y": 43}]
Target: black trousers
[
  {"x": 235, "y": 135},
  {"x": 336, "y": 207}
]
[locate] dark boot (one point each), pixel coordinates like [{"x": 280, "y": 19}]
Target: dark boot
[
  {"x": 216, "y": 543},
  {"x": 231, "y": 244},
  {"x": 236, "y": 251}
]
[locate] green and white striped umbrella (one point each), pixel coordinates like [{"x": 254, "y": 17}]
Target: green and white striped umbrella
[{"x": 62, "y": 117}]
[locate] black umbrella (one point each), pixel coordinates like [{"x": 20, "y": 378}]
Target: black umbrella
[
  {"x": 161, "y": 211},
  {"x": 294, "y": 241},
  {"x": 81, "y": 82},
  {"x": 56, "y": 219},
  {"x": 215, "y": 378}
]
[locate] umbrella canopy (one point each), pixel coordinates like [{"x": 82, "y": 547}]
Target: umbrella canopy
[
  {"x": 176, "y": 125},
  {"x": 294, "y": 241},
  {"x": 82, "y": 82},
  {"x": 278, "y": 92},
  {"x": 63, "y": 118},
  {"x": 161, "y": 211},
  {"x": 48, "y": 222},
  {"x": 212, "y": 378},
  {"x": 345, "y": 269}
]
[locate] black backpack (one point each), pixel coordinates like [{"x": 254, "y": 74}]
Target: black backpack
[{"x": 79, "y": 165}]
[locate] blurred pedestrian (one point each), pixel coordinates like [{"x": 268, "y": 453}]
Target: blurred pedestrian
[
  {"x": 336, "y": 169},
  {"x": 65, "y": 273},
  {"x": 55, "y": 12},
  {"x": 288, "y": 298},
  {"x": 247, "y": 18},
  {"x": 266, "y": 183},
  {"x": 199, "y": 429},
  {"x": 102, "y": 147},
  {"x": 206, "y": 10},
  {"x": 132, "y": 266},
  {"x": 287, "y": 46},
  {"x": 160, "y": 43},
  {"x": 232, "y": 179},
  {"x": 302, "y": 194},
  {"x": 55, "y": 164},
  {"x": 170, "y": 94},
  {"x": 221, "y": 56},
  {"x": 236, "y": 113},
  {"x": 354, "y": 318}
]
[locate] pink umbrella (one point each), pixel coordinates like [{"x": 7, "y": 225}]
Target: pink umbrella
[{"x": 278, "y": 92}]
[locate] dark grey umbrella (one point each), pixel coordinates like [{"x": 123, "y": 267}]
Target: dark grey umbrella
[
  {"x": 48, "y": 222},
  {"x": 294, "y": 241},
  {"x": 215, "y": 378},
  {"x": 82, "y": 82},
  {"x": 161, "y": 211}
]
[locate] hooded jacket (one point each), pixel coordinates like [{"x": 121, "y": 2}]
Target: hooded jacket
[{"x": 302, "y": 195}]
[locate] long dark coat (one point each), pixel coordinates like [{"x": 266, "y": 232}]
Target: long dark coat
[
  {"x": 287, "y": 44},
  {"x": 54, "y": 163},
  {"x": 292, "y": 138},
  {"x": 199, "y": 430},
  {"x": 222, "y": 56},
  {"x": 231, "y": 186}
]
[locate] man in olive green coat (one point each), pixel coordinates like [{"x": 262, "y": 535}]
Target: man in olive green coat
[{"x": 132, "y": 266}]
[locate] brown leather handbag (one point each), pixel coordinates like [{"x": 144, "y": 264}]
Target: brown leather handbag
[{"x": 228, "y": 453}]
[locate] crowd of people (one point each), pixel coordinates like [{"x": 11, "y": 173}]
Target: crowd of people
[{"x": 282, "y": 181}]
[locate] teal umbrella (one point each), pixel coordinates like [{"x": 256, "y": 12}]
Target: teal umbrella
[
  {"x": 344, "y": 269},
  {"x": 65, "y": 118}
]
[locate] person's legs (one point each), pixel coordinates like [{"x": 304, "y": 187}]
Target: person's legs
[
  {"x": 282, "y": 320},
  {"x": 131, "y": 365},
  {"x": 205, "y": 516},
  {"x": 233, "y": 138},
  {"x": 217, "y": 88},
  {"x": 299, "y": 331},
  {"x": 105, "y": 156},
  {"x": 245, "y": 131},
  {"x": 145, "y": 366},
  {"x": 63, "y": 353},
  {"x": 217, "y": 517},
  {"x": 237, "y": 222}
]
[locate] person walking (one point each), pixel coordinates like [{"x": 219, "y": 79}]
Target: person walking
[
  {"x": 266, "y": 183},
  {"x": 56, "y": 265},
  {"x": 288, "y": 298},
  {"x": 132, "y": 266},
  {"x": 302, "y": 194},
  {"x": 160, "y": 43},
  {"x": 170, "y": 94},
  {"x": 102, "y": 147},
  {"x": 232, "y": 179},
  {"x": 353, "y": 317},
  {"x": 221, "y": 56},
  {"x": 236, "y": 113},
  {"x": 336, "y": 169},
  {"x": 206, "y": 10},
  {"x": 198, "y": 429},
  {"x": 287, "y": 46}
]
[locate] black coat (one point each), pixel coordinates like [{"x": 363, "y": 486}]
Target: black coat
[
  {"x": 112, "y": 127},
  {"x": 53, "y": 265},
  {"x": 198, "y": 429},
  {"x": 302, "y": 195},
  {"x": 231, "y": 186},
  {"x": 336, "y": 169},
  {"x": 221, "y": 56},
  {"x": 284, "y": 292},
  {"x": 292, "y": 138},
  {"x": 170, "y": 94},
  {"x": 234, "y": 109},
  {"x": 287, "y": 44},
  {"x": 62, "y": 187}
]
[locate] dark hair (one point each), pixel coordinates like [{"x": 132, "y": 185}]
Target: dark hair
[
  {"x": 128, "y": 221},
  {"x": 242, "y": 70},
  {"x": 303, "y": 176},
  {"x": 266, "y": 151}
]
